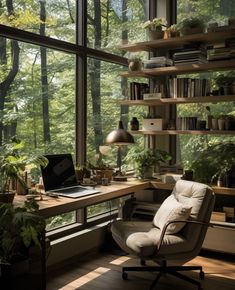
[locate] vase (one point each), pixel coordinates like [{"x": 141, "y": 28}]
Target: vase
[{"x": 155, "y": 34}]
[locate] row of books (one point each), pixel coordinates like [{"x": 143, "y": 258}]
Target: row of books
[
  {"x": 187, "y": 87},
  {"x": 186, "y": 123},
  {"x": 137, "y": 90}
]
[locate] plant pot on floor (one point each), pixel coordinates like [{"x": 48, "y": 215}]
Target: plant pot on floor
[{"x": 7, "y": 197}]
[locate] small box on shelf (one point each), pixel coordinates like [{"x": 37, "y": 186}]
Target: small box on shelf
[
  {"x": 157, "y": 124},
  {"x": 218, "y": 216}
]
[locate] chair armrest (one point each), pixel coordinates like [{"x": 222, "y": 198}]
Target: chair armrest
[{"x": 181, "y": 221}]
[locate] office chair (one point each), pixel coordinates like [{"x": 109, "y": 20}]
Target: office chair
[{"x": 176, "y": 233}]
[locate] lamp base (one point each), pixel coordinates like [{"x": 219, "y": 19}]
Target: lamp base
[{"x": 120, "y": 178}]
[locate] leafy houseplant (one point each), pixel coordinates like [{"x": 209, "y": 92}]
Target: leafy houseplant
[
  {"x": 192, "y": 25},
  {"x": 13, "y": 163},
  {"x": 225, "y": 82},
  {"x": 173, "y": 30},
  {"x": 20, "y": 230},
  {"x": 155, "y": 27},
  {"x": 216, "y": 161},
  {"x": 147, "y": 159}
]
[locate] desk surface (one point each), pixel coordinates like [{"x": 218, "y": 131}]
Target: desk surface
[
  {"x": 50, "y": 206},
  {"x": 54, "y": 206}
]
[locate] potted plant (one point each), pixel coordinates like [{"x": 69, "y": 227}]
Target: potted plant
[
  {"x": 154, "y": 27},
  {"x": 215, "y": 161},
  {"x": 173, "y": 30},
  {"x": 145, "y": 161},
  {"x": 192, "y": 25},
  {"x": 12, "y": 166},
  {"x": 21, "y": 229},
  {"x": 135, "y": 64},
  {"x": 225, "y": 82}
]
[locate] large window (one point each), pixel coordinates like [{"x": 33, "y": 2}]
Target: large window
[{"x": 42, "y": 77}]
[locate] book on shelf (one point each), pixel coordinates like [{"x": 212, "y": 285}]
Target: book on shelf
[
  {"x": 187, "y": 87},
  {"x": 137, "y": 90}
]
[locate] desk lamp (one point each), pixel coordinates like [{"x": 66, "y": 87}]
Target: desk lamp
[{"x": 120, "y": 137}]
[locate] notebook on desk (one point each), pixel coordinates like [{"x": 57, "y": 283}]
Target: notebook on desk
[{"x": 59, "y": 177}]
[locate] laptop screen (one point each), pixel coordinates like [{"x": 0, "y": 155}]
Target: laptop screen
[{"x": 59, "y": 172}]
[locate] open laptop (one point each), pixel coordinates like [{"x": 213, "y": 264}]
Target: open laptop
[{"x": 59, "y": 177}]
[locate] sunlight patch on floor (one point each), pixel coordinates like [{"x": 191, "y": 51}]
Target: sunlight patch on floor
[
  {"x": 85, "y": 278},
  {"x": 120, "y": 260}
]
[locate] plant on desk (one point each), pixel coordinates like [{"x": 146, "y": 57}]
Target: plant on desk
[
  {"x": 20, "y": 230},
  {"x": 13, "y": 163},
  {"x": 145, "y": 160}
]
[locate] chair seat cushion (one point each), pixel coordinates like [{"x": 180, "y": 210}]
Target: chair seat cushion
[
  {"x": 169, "y": 211},
  {"x": 141, "y": 238}
]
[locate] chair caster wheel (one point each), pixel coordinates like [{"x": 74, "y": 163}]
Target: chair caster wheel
[
  {"x": 124, "y": 276},
  {"x": 202, "y": 275}
]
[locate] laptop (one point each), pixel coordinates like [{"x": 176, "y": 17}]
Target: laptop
[{"x": 59, "y": 177}]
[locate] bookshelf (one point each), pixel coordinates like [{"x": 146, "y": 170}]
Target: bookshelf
[{"x": 226, "y": 196}]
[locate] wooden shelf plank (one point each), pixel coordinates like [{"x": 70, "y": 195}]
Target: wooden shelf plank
[
  {"x": 184, "y": 132},
  {"x": 182, "y": 69},
  {"x": 216, "y": 189},
  {"x": 163, "y": 101},
  {"x": 176, "y": 42}
]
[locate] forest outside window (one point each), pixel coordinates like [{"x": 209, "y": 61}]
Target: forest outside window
[
  {"x": 115, "y": 22},
  {"x": 52, "y": 18}
]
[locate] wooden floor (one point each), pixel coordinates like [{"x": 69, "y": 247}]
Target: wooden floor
[{"x": 102, "y": 271}]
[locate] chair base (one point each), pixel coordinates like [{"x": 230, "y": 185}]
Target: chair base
[{"x": 164, "y": 269}]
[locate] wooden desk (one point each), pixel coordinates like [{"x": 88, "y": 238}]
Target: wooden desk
[{"x": 54, "y": 206}]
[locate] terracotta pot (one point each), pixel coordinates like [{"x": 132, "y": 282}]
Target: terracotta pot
[{"x": 155, "y": 34}]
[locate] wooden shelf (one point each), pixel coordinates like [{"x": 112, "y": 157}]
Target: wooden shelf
[
  {"x": 184, "y": 132},
  {"x": 176, "y": 42},
  {"x": 216, "y": 189},
  {"x": 164, "y": 101},
  {"x": 182, "y": 69}
]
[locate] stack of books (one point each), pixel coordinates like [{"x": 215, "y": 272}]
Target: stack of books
[
  {"x": 190, "y": 55},
  {"x": 159, "y": 61},
  {"x": 186, "y": 123},
  {"x": 222, "y": 51}
]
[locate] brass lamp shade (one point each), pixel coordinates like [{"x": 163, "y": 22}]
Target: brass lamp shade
[{"x": 120, "y": 136}]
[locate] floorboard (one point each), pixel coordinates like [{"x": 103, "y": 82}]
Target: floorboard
[{"x": 102, "y": 271}]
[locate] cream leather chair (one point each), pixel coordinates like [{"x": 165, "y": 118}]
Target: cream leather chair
[{"x": 175, "y": 234}]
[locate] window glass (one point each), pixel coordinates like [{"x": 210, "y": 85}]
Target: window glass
[
  {"x": 52, "y": 18},
  {"x": 38, "y": 97},
  {"x": 190, "y": 146},
  {"x": 60, "y": 220},
  {"x": 101, "y": 208},
  {"x": 115, "y": 22}
]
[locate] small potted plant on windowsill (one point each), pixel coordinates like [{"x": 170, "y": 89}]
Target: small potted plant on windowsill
[
  {"x": 173, "y": 30},
  {"x": 155, "y": 28},
  {"x": 12, "y": 166}
]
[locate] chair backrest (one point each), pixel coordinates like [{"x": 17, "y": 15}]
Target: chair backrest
[{"x": 201, "y": 198}]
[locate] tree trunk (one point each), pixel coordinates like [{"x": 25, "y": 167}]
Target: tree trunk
[
  {"x": 44, "y": 78},
  {"x": 95, "y": 80}
]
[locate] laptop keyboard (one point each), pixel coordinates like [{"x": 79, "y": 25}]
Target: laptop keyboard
[{"x": 72, "y": 189}]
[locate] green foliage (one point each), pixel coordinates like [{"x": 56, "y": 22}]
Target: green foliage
[
  {"x": 146, "y": 158},
  {"x": 214, "y": 161},
  {"x": 13, "y": 163},
  {"x": 20, "y": 229}
]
